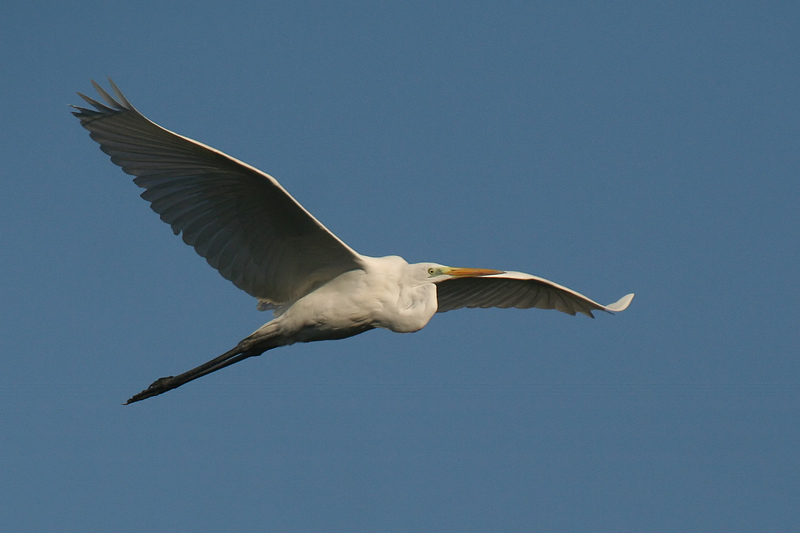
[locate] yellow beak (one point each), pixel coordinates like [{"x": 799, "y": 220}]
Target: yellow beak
[{"x": 471, "y": 272}]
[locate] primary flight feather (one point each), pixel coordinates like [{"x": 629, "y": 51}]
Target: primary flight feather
[{"x": 249, "y": 228}]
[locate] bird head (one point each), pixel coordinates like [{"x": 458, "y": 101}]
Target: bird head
[{"x": 435, "y": 271}]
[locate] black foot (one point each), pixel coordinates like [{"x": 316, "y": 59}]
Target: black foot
[
  {"x": 228, "y": 358},
  {"x": 159, "y": 386}
]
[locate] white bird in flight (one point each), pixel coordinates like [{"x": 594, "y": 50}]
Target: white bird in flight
[{"x": 249, "y": 228}]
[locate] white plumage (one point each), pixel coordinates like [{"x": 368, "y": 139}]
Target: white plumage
[{"x": 256, "y": 235}]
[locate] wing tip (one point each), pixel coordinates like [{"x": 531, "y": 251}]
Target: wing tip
[
  {"x": 110, "y": 104},
  {"x": 621, "y": 304}
]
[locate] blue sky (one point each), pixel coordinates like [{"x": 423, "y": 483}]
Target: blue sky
[{"x": 611, "y": 147}]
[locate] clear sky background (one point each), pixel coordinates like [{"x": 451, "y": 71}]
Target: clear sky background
[{"x": 648, "y": 147}]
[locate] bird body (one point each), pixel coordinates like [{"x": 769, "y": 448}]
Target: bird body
[
  {"x": 386, "y": 292},
  {"x": 249, "y": 228}
]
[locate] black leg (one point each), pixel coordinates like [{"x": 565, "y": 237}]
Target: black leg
[{"x": 230, "y": 357}]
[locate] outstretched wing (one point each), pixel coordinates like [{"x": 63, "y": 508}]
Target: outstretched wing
[
  {"x": 517, "y": 289},
  {"x": 240, "y": 219}
]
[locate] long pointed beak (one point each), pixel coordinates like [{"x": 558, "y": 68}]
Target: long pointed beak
[{"x": 471, "y": 272}]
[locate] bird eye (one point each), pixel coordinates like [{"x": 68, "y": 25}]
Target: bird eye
[{"x": 431, "y": 271}]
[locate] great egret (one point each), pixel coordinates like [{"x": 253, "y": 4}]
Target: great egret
[{"x": 260, "y": 238}]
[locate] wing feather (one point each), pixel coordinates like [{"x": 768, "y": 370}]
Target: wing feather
[
  {"x": 520, "y": 290},
  {"x": 241, "y": 220}
]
